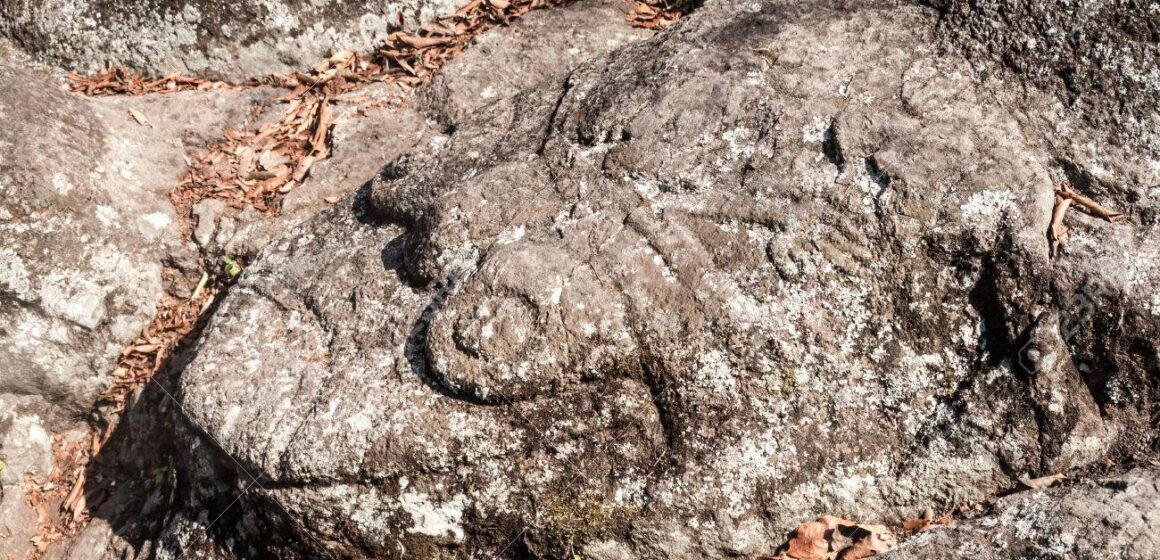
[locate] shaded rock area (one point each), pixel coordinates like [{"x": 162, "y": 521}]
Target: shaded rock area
[
  {"x": 596, "y": 292},
  {"x": 673, "y": 303},
  {"x": 1099, "y": 57},
  {"x": 234, "y": 41},
  {"x": 1114, "y": 517}
]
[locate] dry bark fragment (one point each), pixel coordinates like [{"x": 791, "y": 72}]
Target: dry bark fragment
[{"x": 1090, "y": 206}]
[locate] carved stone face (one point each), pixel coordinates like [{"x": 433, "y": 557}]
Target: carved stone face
[{"x": 770, "y": 264}]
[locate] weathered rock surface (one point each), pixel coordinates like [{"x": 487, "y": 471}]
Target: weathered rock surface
[
  {"x": 79, "y": 274},
  {"x": 233, "y": 40},
  {"x": 1111, "y": 518},
  {"x": 86, "y": 225},
  {"x": 1100, "y": 57},
  {"x": 361, "y": 140},
  {"x": 679, "y": 300},
  {"x": 25, "y": 450},
  {"x": 499, "y": 64},
  {"x": 540, "y": 46},
  {"x": 86, "y": 220}
]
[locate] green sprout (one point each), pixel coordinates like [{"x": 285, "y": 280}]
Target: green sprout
[{"x": 232, "y": 268}]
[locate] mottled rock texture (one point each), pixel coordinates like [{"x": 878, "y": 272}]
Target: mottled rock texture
[
  {"x": 25, "y": 450},
  {"x": 1100, "y": 57},
  {"x": 785, "y": 259},
  {"x": 86, "y": 227},
  {"x": 499, "y": 64},
  {"x": 86, "y": 222},
  {"x": 79, "y": 270},
  {"x": 1115, "y": 517},
  {"x": 236, "y": 40},
  {"x": 542, "y": 45}
]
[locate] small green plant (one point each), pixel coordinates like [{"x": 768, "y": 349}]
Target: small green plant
[
  {"x": 232, "y": 268},
  {"x": 159, "y": 474}
]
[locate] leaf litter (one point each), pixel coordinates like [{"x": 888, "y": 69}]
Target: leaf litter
[
  {"x": 659, "y": 14},
  {"x": 834, "y": 538}
]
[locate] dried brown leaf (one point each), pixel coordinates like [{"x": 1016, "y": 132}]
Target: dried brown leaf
[
  {"x": 303, "y": 168},
  {"x": 1090, "y": 206},
  {"x": 809, "y": 542},
  {"x": 318, "y": 141},
  {"x": 424, "y": 42}
]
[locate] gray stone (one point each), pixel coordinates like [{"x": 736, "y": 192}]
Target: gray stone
[
  {"x": 540, "y": 46},
  {"x": 79, "y": 270},
  {"x": 1099, "y": 58},
  {"x": 87, "y": 222},
  {"x": 206, "y": 213},
  {"x": 234, "y": 41},
  {"x": 1115, "y": 517},
  {"x": 25, "y": 450},
  {"x": 783, "y": 260},
  {"x": 779, "y": 261},
  {"x": 359, "y": 145}
]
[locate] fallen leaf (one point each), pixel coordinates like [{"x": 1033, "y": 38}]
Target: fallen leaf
[
  {"x": 232, "y": 268},
  {"x": 322, "y": 130},
  {"x": 1058, "y": 231},
  {"x": 424, "y": 42},
  {"x": 246, "y": 156},
  {"x": 140, "y": 117},
  {"x": 303, "y": 168},
  {"x": 834, "y": 538},
  {"x": 869, "y": 540},
  {"x": 809, "y": 542}
]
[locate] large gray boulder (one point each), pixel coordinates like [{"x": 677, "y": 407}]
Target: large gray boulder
[
  {"x": 785, "y": 259},
  {"x": 139, "y": 509},
  {"x": 226, "y": 40}
]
